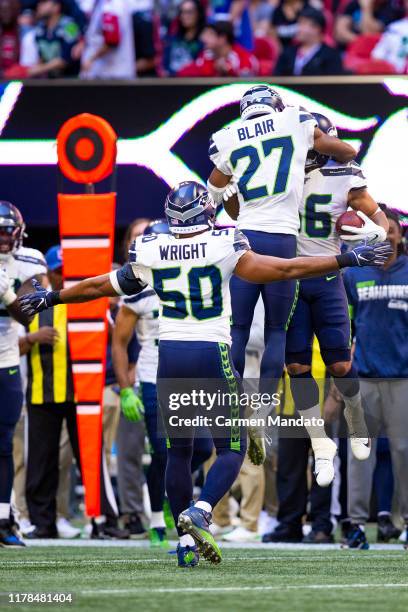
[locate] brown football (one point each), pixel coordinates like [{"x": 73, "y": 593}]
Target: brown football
[{"x": 350, "y": 217}]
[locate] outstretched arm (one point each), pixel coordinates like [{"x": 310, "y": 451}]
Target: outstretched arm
[
  {"x": 330, "y": 145},
  {"x": 108, "y": 285},
  {"x": 263, "y": 269}
]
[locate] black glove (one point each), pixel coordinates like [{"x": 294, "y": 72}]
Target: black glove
[
  {"x": 366, "y": 255},
  {"x": 31, "y": 303}
]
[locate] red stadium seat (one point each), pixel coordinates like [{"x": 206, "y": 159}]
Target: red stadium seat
[
  {"x": 266, "y": 51},
  {"x": 360, "y": 51},
  {"x": 375, "y": 66}
]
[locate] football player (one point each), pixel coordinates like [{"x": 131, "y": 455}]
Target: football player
[
  {"x": 18, "y": 266},
  {"x": 322, "y": 308},
  {"x": 141, "y": 311},
  {"x": 190, "y": 271},
  {"x": 262, "y": 159}
]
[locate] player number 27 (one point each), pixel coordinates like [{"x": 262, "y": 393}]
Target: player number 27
[
  {"x": 285, "y": 144},
  {"x": 177, "y": 309}
]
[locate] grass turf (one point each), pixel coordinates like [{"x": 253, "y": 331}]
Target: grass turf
[{"x": 120, "y": 579}]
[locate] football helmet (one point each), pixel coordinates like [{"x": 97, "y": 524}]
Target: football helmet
[
  {"x": 11, "y": 229},
  {"x": 158, "y": 226},
  {"x": 260, "y": 100},
  {"x": 315, "y": 159},
  {"x": 189, "y": 208}
]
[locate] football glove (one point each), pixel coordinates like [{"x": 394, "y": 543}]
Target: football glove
[
  {"x": 230, "y": 190},
  {"x": 32, "y": 303},
  {"x": 131, "y": 405},
  {"x": 366, "y": 255},
  {"x": 371, "y": 233}
]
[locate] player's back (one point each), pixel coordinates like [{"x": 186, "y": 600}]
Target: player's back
[
  {"x": 266, "y": 157},
  {"x": 324, "y": 199},
  {"x": 191, "y": 277}
]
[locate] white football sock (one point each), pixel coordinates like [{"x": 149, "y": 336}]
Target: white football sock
[
  {"x": 186, "y": 540},
  {"x": 4, "y": 511},
  {"x": 157, "y": 520},
  {"x": 315, "y": 431},
  {"x": 354, "y": 415},
  {"x": 204, "y": 506}
]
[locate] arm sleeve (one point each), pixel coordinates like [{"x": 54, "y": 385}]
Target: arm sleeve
[
  {"x": 217, "y": 157},
  {"x": 125, "y": 282}
]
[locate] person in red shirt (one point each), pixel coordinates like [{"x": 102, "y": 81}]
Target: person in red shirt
[
  {"x": 9, "y": 34},
  {"x": 221, "y": 55}
]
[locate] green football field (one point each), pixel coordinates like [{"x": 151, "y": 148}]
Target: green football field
[{"x": 117, "y": 578}]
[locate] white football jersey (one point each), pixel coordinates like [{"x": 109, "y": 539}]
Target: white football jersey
[
  {"x": 20, "y": 266},
  {"x": 266, "y": 157},
  {"x": 324, "y": 200},
  {"x": 146, "y": 306},
  {"x": 191, "y": 277}
]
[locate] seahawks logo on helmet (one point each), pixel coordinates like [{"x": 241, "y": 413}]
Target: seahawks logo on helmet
[
  {"x": 11, "y": 229},
  {"x": 315, "y": 159},
  {"x": 189, "y": 208},
  {"x": 260, "y": 100}
]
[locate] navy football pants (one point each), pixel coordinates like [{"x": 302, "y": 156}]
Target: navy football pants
[
  {"x": 155, "y": 476},
  {"x": 210, "y": 364},
  {"x": 11, "y": 402},
  {"x": 279, "y": 299},
  {"x": 321, "y": 309}
]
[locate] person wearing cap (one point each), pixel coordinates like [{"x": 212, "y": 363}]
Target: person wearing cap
[
  {"x": 50, "y": 402},
  {"x": 311, "y": 56}
]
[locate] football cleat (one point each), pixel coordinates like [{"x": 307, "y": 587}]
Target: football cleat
[
  {"x": 356, "y": 538},
  {"x": 158, "y": 537},
  {"x": 196, "y": 522},
  {"x": 9, "y": 537},
  {"x": 360, "y": 447},
  {"x": 187, "y": 556},
  {"x": 386, "y": 530},
  {"x": 324, "y": 453}
]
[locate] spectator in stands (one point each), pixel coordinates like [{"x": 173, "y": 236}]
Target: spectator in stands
[
  {"x": 311, "y": 56},
  {"x": 393, "y": 45},
  {"x": 72, "y": 8},
  {"x": 284, "y": 22},
  {"x": 9, "y": 34},
  {"x": 144, "y": 33},
  {"x": 185, "y": 45},
  {"x": 364, "y": 17},
  {"x": 17, "y": 43},
  {"x": 55, "y": 36},
  {"x": 221, "y": 55},
  {"x": 237, "y": 12},
  {"x": 260, "y": 13},
  {"x": 109, "y": 43}
]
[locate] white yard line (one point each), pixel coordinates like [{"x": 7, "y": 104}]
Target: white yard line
[
  {"x": 224, "y": 545},
  {"x": 240, "y": 589}
]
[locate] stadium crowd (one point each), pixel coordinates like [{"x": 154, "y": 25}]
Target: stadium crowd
[
  {"x": 125, "y": 39},
  {"x": 279, "y": 501}
]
